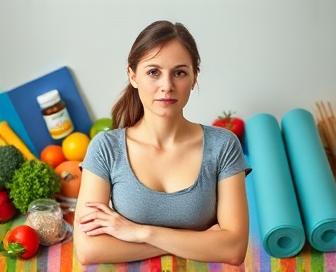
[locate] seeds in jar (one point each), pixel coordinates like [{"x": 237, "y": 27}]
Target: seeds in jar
[{"x": 49, "y": 227}]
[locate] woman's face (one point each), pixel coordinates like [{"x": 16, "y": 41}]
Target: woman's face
[{"x": 164, "y": 78}]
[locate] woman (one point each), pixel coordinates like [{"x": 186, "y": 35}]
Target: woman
[{"x": 176, "y": 187}]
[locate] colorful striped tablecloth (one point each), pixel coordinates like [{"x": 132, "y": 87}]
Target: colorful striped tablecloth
[{"x": 61, "y": 257}]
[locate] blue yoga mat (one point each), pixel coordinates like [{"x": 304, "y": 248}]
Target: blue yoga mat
[
  {"x": 314, "y": 181},
  {"x": 280, "y": 224}
]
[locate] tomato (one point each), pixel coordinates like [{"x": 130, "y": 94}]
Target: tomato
[
  {"x": 235, "y": 124},
  {"x": 74, "y": 146},
  {"x": 22, "y": 241},
  {"x": 52, "y": 155}
]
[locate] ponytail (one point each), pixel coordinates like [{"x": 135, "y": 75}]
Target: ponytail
[{"x": 128, "y": 110}]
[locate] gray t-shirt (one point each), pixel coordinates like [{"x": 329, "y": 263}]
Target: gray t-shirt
[{"x": 190, "y": 208}]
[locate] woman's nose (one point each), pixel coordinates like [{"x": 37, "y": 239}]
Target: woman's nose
[{"x": 167, "y": 84}]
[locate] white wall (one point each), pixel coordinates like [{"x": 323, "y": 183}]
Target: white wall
[{"x": 257, "y": 56}]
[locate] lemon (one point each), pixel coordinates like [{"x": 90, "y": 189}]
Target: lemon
[{"x": 74, "y": 146}]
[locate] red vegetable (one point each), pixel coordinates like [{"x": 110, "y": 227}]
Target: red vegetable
[
  {"x": 7, "y": 209},
  {"x": 22, "y": 241},
  {"x": 235, "y": 124}
]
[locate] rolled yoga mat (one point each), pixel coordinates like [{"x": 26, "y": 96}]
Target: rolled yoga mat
[
  {"x": 280, "y": 224},
  {"x": 313, "y": 178}
]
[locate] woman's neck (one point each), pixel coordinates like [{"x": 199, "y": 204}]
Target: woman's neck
[{"x": 163, "y": 133}]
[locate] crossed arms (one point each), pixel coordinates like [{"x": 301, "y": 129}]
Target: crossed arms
[{"x": 101, "y": 235}]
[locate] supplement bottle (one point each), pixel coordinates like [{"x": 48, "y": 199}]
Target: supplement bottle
[{"x": 55, "y": 114}]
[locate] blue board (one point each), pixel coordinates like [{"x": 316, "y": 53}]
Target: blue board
[{"x": 20, "y": 109}]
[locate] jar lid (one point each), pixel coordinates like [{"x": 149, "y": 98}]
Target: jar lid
[
  {"x": 44, "y": 204},
  {"x": 48, "y": 99}
]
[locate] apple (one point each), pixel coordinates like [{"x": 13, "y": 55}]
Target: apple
[{"x": 101, "y": 124}]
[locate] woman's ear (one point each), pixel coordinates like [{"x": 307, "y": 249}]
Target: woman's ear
[
  {"x": 131, "y": 77},
  {"x": 195, "y": 82}
]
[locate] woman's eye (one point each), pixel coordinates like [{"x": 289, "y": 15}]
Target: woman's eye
[
  {"x": 180, "y": 73},
  {"x": 153, "y": 72}
]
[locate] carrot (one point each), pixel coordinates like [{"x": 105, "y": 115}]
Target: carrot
[
  {"x": 9, "y": 136},
  {"x": 2, "y": 141}
]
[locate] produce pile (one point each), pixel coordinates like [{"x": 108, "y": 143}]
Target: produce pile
[{"x": 24, "y": 179}]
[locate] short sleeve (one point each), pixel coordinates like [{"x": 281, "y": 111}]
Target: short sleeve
[
  {"x": 231, "y": 159},
  {"x": 98, "y": 158}
]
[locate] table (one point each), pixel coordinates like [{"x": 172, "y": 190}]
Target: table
[{"x": 61, "y": 258}]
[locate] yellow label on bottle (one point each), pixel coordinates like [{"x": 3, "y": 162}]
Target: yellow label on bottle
[{"x": 59, "y": 124}]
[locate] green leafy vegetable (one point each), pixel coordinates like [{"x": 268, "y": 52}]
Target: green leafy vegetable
[
  {"x": 10, "y": 159},
  {"x": 33, "y": 180}
]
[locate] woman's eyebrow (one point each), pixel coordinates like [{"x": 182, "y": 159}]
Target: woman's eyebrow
[{"x": 158, "y": 66}]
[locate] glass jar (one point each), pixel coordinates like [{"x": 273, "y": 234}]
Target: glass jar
[{"x": 45, "y": 216}]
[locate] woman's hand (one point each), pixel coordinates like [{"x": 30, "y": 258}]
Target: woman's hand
[{"x": 104, "y": 220}]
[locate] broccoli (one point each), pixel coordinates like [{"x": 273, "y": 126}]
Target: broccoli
[
  {"x": 10, "y": 159},
  {"x": 33, "y": 180}
]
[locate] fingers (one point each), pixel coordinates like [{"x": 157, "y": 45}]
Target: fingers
[
  {"x": 99, "y": 210},
  {"x": 87, "y": 227},
  {"x": 97, "y": 231},
  {"x": 93, "y": 216},
  {"x": 101, "y": 206}
]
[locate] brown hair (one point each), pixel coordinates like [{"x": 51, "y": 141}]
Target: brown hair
[{"x": 129, "y": 110}]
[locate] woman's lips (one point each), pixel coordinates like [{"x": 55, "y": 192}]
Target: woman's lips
[{"x": 167, "y": 101}]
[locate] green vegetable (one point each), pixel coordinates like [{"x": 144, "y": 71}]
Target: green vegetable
[
  {"x": 33, "y": 180},
  {"x": 10, "y": 159}
]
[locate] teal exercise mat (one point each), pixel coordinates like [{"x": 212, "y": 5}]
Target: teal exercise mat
[
  {"x": 280, "y": 225},
  {"x": 313, "y": 178}
]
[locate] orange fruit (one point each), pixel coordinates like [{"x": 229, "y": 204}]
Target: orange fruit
[
  {"x": 70, "y": 175},
  {"x": 75, "y": 145},
  {"x": 52, "y": 155}
]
